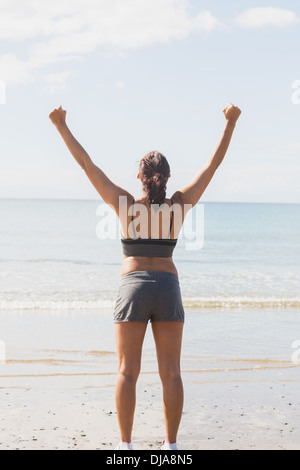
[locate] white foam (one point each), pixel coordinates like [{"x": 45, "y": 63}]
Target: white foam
[{"x": 197, "y": 303}]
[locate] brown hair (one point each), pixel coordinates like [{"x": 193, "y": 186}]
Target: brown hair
[{"x": 154, "y": 172}]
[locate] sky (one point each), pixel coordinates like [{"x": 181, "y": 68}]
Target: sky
[{"x": 141, "y": 75}]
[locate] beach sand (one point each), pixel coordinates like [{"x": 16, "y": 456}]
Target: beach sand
[{"x": 54, "y": 395}]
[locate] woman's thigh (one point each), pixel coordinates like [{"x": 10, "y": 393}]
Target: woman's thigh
[
  {"x": 129, "y": 343},
  {"x": 168, "y": 341}
]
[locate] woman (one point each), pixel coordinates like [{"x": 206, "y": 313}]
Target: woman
[{"x": 149, "y": 285}]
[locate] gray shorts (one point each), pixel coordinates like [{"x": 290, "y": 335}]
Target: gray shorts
[{"x": 148, "y": 295}]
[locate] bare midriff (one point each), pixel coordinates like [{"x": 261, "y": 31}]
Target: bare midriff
[{"x": 140, "y": 263}]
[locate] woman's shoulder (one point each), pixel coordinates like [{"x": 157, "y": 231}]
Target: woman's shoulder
[{"x": 177, "y": 198}]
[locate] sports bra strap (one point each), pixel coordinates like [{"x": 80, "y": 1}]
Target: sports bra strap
[
  {"x": 132, "y": 210},
  {"x": 132, "y": 220},
  {"x": 171, "y": 218}
]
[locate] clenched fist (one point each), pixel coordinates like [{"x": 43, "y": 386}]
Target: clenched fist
[
  {"x": 58, "y": 116},
  {"x": 232, "y": 113}
]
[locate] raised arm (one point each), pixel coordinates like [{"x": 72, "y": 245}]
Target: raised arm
[
  {"x": 108, "y": 191},
  {"x": 191, "y": 193}
]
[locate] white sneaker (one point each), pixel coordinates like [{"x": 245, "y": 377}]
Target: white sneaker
[
  {"x": 124, "y": 446},
  {"x": 167, "y": 446}
]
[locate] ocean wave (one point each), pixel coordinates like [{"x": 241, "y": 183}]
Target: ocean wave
[
  {"x": 240, "y": 302},
  {"x": 200, "y": 303},
  {"x": 51, "y": 261},
  {"x": 63, "y": 304}
]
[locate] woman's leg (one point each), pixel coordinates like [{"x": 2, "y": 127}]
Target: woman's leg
[
  {"x": 129, "y": 341},
  {"x": 168, "y": 339}
]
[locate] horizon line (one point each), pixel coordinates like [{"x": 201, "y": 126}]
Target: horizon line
[{"x": 101, "y": 200}]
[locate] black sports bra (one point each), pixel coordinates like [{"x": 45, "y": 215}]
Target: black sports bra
[{"x": 149, "y": 247}]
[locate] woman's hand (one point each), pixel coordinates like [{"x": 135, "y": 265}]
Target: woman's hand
[
  {"x": 58, "y": 116},
  {"x": 232, "y": 113}
]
